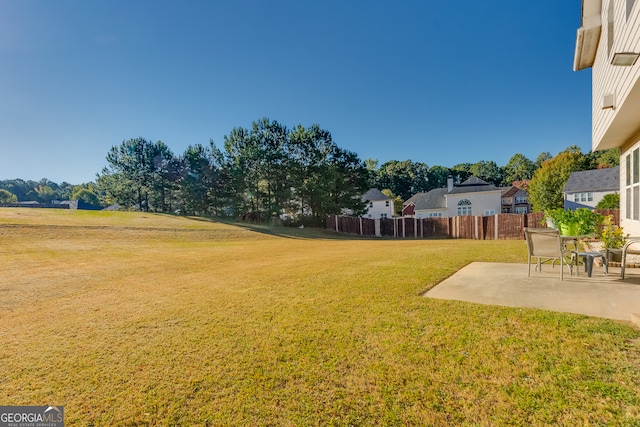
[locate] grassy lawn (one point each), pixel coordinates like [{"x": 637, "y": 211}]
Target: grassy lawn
[{"x": 145, "y": 319}]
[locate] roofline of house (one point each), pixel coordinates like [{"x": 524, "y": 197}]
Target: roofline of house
[{"x": 588, "y": 35}]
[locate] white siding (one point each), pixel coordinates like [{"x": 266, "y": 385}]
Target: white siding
[
  {"x": 429, "y": 213},
  {"x": 597, "y": 197},
  {"x": 628, "y": 209},
  {"x": 380, "y": 209},
  {"x": 608, "y": 79},
  {"x": 619, "y": 127}
]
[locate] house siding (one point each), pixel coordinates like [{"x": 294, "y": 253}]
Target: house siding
[
  {"x": 409, "y": 210},
  {"x": 428, "y": 213},
  {"x": 620, "y": 126},
  {"x": 480, "y": 202},
  {"x": 510, "y": 203},
  {"x": 617, "y": 80},
  {"x": 597, "y": 197},
  {"x": 629, "y": 212},
  {"x": 378, "y": 204},
  {"x": 380, "y": 209}
]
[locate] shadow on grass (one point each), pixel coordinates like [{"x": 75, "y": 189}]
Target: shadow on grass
[{"x": 282, "y": 231}]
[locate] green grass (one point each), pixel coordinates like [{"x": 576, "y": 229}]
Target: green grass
[{"x": 143, "y": 319}]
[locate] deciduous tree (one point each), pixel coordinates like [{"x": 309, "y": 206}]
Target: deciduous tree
[
  {"x": 461, "y": 172},
  {"x": 85, "y": 195},
  {"x": 437, "y": 177},
  {"x": 609, "y": 201},
  {"x": 397, "y": 201},
  {"x": 404, "y": 178},
  {"x": 7, "y": 197},
  {"x": 487, "y": 171},
  {"x": 545, "y": 188},
  {"x": 518, "y": 168}
]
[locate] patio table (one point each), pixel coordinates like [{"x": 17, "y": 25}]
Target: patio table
[
  {"x": 568, "y": 241},
  {"x": 588, "y": 258}
]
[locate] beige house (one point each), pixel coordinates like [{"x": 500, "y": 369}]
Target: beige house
[
  {"x": 472, "y": 197},
  {"x": 609, "y": 42}
]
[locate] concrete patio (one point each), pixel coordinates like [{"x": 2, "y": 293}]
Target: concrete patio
[{"x": 503, "y": 284}]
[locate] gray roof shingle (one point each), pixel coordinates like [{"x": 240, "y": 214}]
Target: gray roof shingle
[
  {"x": 473, "y": 185},
  {"x": 374, "y": 195},
  {"x": 435, "y": 199},
  {"x": 593, "y": 180}
]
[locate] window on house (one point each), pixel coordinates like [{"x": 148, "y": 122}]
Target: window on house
[
  {"x": 632, "y": 167},
  {"x": 635, "y": 164},
  {"x": 583, "y": 197},
  {"x": 489, "y": 212},
  {"x": 386, "y": 203},
  {"x": 371, "y": 204},
  {"x": 383, "y": 215},
  {"x": 435, "y": 214},
  {"x": 464, "y": 207},
  {"x": 610, "y": 28},
  {"x": 521, "y": 199},
  {"x": 521, "y": 210}
]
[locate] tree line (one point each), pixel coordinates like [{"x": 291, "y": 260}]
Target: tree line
[
  {"x": 269, "y": 172},
  {"x": 543, "y": 178},
  {"x": 46, "y": 191},
  {"x": 265, "y": 173}
]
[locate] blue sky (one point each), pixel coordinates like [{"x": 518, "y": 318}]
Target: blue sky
[{"x": 439, "y": 82}]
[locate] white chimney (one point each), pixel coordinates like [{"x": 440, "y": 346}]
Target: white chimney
[{"x": 449, "y": 183}]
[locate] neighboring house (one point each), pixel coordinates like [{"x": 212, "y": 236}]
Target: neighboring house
[
  {"x": 378, "y": 205},
  {"x": 515, "y": 200},
  {"x": 609, "y": 42},
  {"x": 472, "y": 197},
  {"x": 585, "y": 189},
  {"x": 426, "y": 205}
]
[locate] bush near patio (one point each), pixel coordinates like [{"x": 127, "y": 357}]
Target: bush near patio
[
  {"x": 576, "y": 222},
  {"x": 149, "y": 319}
]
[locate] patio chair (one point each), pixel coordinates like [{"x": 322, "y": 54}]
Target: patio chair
[
  {"x": 546, "y": 245},
  {"x": 632, "y": 246}
]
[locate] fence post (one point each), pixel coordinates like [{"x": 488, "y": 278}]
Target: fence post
[{"x": 496, "y": 225}]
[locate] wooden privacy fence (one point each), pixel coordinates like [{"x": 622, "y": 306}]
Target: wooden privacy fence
[
  {"x": 35, "y": 205},
  {"x": 494, "y": 227}
]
